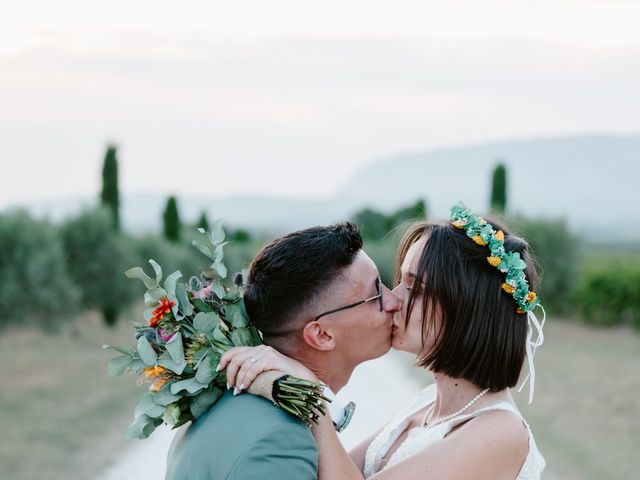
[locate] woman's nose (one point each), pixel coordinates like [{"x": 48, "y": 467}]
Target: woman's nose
[{"x": 392, "y": 302}]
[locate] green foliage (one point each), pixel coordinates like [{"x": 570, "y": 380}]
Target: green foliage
[
  {"x": 171, "y": 220},
  {"x": 610, "y": 295},
  {"x": 35, "y": 285},
  {"x": 96, "y": 258},
  {"x": 557, "y": 251},
  {"x": 203, "y": 222},
  {"x": 499, "y": 189},
  {"x": 110, "y": 196},
  {"x": 174, "y": 256},
  {"x": 239, "y": 236},
  {"x": 372, "y": 224},
  {"x": 376, "y": 225}
]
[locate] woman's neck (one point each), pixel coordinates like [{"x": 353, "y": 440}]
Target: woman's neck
[{"x": 454, "y": 393}]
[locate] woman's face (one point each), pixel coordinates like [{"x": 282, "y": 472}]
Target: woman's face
[{"x": 408, "y": 337}]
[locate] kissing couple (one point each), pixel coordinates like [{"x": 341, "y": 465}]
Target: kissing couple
[{"x": 462, "y": 303}]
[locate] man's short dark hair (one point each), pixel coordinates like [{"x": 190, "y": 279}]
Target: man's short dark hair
[
  {"x": 290, "y": 272},
  {"x": 481, "y": 337}
]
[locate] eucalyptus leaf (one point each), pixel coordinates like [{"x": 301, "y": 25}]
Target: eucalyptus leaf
[
  {"x": 201, "y": 230},
  {"x": 204, "y": 401},
  {"x": 146, "y": 351},
  {"x": 157, "y": 269},
  {"x": 204, "y": 249},
  {"x": 219, "y": 254},
  {"x": 175, "y": 348},
  {"x": 206, "y": 321},
  {"x": 217, "y": 233},
  {"x": 164, "y": 397},
  {"x": 146, "y": 407},
  {"x": 118, "y": 365},
  {"x": 137, "y": 272},
  {"x": 191, "y": 385},
  {"x": 241, "y": 337},
  {"x": 136, "y": 365},
  {"x": 221, "y": 269},
  {"x": 138, "y": 429},
  {"x": 167, "y": 362},
  {"x": 170, "y": 282},
  {"x": 147, "y": 314},
  {"x": 219, "y": 336},
  {"x": 152, "y": 297},
  {"x": 206, "y": 372},
  {"x": 201, "y": 305},
  {"x": 183, "y": 300},
  {"x": 117, "y": 349},
  {"x": 218, "y": 289}
]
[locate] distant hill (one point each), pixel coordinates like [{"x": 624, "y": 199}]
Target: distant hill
[{"x": 592, "y": 180}]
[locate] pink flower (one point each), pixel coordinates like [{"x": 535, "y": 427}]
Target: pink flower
[
  {"x": 165, "y": 336},
  {"x": 202, "y": 293}
]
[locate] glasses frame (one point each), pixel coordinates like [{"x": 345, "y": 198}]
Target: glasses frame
[{"x": 378, "y": 297}]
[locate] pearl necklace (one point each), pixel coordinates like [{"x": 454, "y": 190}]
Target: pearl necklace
[{"x": 454, "y": 414}]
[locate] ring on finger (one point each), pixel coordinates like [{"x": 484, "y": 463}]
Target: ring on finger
[{"x": 252, "y": 360}]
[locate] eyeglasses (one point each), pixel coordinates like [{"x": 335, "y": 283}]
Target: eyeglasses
[{"x": 378, "y": 297}]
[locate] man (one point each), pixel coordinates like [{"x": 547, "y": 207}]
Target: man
[{"x": 317, "y": 297}]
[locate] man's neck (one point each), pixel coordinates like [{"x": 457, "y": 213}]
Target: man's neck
[{"x": 335, "y": 374}]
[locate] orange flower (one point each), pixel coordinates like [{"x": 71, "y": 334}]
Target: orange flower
[
  {"x": 152, "y": 372},
  {"x": 479, "y": 240},
  {"x": 508, "y": 288},
  {"x": 531, "y": 297},
  {"x": 519, "y": 310},
  {"x": 494, "y": 261},
  {"x": 158, "y": 384},
  {"x": 458, "y": 223},
  {"x": 158, "y": 313}
]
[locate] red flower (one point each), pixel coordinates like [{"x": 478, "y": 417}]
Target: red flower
[{"x": 158, "y": 313}]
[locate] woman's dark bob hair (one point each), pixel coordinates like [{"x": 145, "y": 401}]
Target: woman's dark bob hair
[{"x": 480, "y": 337}]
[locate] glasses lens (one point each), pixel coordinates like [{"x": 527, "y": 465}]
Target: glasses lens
[{"x": 379, "y": 292}]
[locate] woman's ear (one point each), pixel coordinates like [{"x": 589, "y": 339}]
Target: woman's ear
[{"x": 318, "y": 337}]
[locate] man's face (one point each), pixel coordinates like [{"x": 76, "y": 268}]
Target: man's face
[{"x": 362, "y": 332}]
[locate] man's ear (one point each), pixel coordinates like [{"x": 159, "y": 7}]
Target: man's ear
[{"x": 318, "y": 337}]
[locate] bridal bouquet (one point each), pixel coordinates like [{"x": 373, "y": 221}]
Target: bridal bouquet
[{"x": 188, "y": 327}]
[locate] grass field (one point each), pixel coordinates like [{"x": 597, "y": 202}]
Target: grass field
[{"x": 62, "y": 417}]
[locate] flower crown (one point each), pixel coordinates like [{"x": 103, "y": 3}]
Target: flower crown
[{"x": 483, "y": 233}]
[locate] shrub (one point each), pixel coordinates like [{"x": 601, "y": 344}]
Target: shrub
[{"x": 36, "y": 286}]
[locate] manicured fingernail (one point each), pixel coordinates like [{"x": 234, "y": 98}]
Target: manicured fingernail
[
  {"x": 218, "y": 368},
  {"x": 235, "y": 392},
  {"x": 242, "y": 387},
  {"x": 228, "y": 386}
]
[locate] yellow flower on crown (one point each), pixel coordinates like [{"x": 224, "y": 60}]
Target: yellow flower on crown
[
  {"x": 531, "y": 297},
  {"x": 508, "y": 288},
  {"x": 458, "y": 223},
  {"x": 500, "y": 235},
  {"x": 479, "y": 240},
  {"x": 494, "y": 261}
]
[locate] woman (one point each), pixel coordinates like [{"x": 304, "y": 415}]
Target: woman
[{"x": 467, "y": 294}]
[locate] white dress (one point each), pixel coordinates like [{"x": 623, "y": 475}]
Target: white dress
[{"x": 419, "y": 437}]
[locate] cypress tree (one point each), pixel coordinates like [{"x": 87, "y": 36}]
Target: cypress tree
[
  {"x": 171, "y": 219},
  {"x": 110, "y": 197},
  {"x": 499, "y": 189},
  {"x": 203, "y": 222}
]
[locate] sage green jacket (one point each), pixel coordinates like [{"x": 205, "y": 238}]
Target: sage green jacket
[{"x": 243, "y": 438}]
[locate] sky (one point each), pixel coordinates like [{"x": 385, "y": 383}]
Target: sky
[{"x": 292, "y": 98}]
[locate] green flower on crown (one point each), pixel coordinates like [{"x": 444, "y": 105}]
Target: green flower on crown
[{"x": 509, "y": 263}]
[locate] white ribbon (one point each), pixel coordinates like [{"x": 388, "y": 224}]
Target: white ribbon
[{"x": 532, "y": 345}]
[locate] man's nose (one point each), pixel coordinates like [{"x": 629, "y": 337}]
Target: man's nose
[{"x": 390, "y": 301}]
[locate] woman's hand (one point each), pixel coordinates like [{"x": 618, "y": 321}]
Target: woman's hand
[{"x": 244, "y": 364}]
